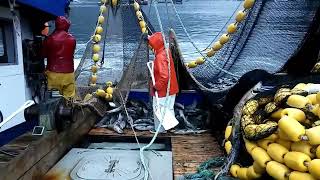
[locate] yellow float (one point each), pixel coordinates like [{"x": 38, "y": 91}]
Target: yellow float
[
  {"x": 296, "y": 175},
  {"x": 277, "y": 170},
  {"x": 277, "y": 152},
  {"x": 100, "y": 19},
  {"x": 95, "y": 57},
  {"x": 292, "y": 128},
  {"x": 234, "y": 170},
  {"x": 297, "y": 161},
  {"x": 228, "y": 147},
  {"x": 260, "y": 156},
  {"x": 314, "y": 168},
  {"x": 241, "y": 15},
  {"x": 99, "y": 30}
]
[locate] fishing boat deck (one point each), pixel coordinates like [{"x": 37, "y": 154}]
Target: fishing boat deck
[
  {"x": 30, "y": 157},
  {"x": 189, "y": 151}
]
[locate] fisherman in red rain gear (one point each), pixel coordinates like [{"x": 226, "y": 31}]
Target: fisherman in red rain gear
[
  {"x": 161, "y": 75},
  {"x": 59, "y": 49}
]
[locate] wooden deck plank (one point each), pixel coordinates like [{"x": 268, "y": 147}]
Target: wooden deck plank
[
  {"x": 38, "y": 147},
  {"x": 189, "y": 151}
]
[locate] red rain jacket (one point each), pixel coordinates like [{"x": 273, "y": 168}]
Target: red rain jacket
[
  {"x": 161, "y": 73},
  {"x": 59, "y": 48}
]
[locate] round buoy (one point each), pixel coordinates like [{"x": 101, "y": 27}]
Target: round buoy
[
  {"x": 217, "y": 46},
  {"x": 96, "y": 48},
  {"x": 240, "y": 16},
  {"x": 200, "y": 60},
  {"x": 97, "y": 38},
  {"x": 211, "y": 52},
  {"x": 142, "y": 24},
  {"x": 94, "y": 78},
  {"x": 136, "y": 6},
  {"x": 224, "y": 39},
  {"x": 144, "y": 30},
  {"x": 99, "y": 30},
  {"x": 95, "y": 57},
  {"x": 100, "y": 93},
  {"x": 103, "y": 9},
  {"x": 114, "y": 3},
  {"x": 248, "y": 4},
  {"x": 109, "y": 83},
  {"x": 108, "y": 97},
  {"x": 192, "y": 64},
  {"x": 100, "y": 19},
  {"x": 109, "y": 90},
  {"x": 232, "y": 28},
  {"x": 94, "y": 68},
  {"x": 139, "y": 15}
]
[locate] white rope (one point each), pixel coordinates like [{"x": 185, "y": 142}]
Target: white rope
[
  {"x": 23, "y": 107},
  {"x": 199, "y": 51}
]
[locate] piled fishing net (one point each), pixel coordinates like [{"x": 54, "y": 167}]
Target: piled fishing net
[{"x": 284, "y": 90}]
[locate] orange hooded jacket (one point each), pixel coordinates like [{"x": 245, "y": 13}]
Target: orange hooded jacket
[{"x": 161, "y": 73}]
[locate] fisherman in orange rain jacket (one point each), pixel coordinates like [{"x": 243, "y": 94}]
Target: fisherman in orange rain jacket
[{"x": 161, "y": 75}]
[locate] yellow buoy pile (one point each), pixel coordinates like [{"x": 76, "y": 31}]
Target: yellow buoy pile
[
  {"x": 231, "y": 29},
  {"x": 107, "y": 93},
  {"x": 142, "y": 23},
  {"x": 96, "y": 42},
  {"x": 293, "y": 151}
]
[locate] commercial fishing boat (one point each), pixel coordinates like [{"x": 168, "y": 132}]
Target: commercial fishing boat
[{"x": 253, "y": 115}]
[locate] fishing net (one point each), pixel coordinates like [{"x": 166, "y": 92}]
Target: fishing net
[
  {"x": 135, "y": 76},
  {"x": 135, "y": 56},
  {"x": 266, "y": 39},
  {"x": 131, "y": 60}
]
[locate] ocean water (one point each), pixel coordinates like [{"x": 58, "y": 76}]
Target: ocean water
[{"x": 203, "y": 19}]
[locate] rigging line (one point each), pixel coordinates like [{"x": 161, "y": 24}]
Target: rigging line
[
  {"x": 188, "y": 36},
  {"x": 105, "y": 36},
  {"x": 221, "y": 30},
  {"x": 168, "y": 17},
  {"x": 150, "y": 6}
]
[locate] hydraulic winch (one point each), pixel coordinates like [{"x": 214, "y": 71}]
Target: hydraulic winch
[{"x": 53, "y": 112}]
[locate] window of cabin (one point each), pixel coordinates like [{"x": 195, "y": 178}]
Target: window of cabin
[{"x": 7, "y": 45}]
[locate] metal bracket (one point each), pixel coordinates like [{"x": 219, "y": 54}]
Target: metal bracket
[{"x": 38, "y": 131}]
